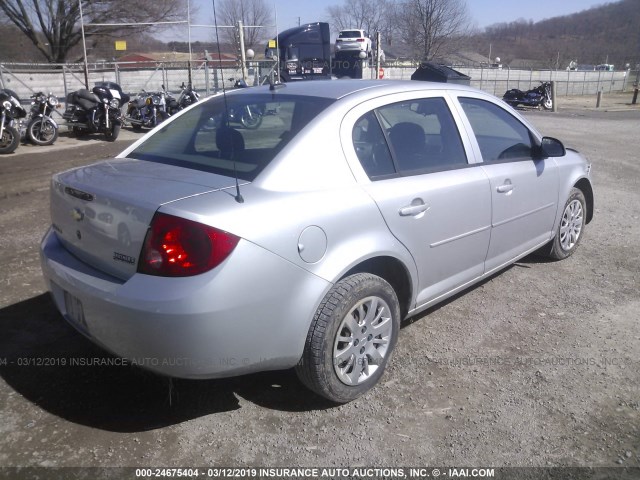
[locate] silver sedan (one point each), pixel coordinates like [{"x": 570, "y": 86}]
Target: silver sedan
[{"x": 213, "y": 248}]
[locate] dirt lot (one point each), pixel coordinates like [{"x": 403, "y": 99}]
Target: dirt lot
[{"x": 538, "y": 366}]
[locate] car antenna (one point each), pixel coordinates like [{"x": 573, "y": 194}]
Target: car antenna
[{"x": 238, "y": 196}]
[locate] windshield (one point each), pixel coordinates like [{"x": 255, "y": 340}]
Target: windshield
[{"x": 243, "y": 137}]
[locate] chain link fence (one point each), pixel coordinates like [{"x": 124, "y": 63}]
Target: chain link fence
[{"x": 209, "y": 77}]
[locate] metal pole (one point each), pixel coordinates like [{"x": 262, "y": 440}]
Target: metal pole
[
  {"x": 554, "y": 97},
  {"x": 189, "y": 31},
  {"x": 378, "y": 36},
  {"x": 1, "y": 77},
  {"x": 206, "y": 74},
  {"x": 611, "y": 83},
  {"x": 64, "y": 81},
  {"x": 243, "y": 55},
  {"x": 84, "y": 48},
  {"x": 189, "y": 40},
  {"x": 598, "y": 98}
]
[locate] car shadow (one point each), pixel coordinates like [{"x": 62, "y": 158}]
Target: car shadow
[
  {"x": 524, "y": 262},
  {"x": 50, "y": 364}
]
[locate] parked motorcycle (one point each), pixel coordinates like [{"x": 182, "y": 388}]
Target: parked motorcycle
[
  {"x": 42, "y": 129},
  {"x": 147, "y": 110},
  {"x": 541, "y": 95},
  {"x": 249, "y": 116},
  {"x": 187, "y": 97},
  {"x": 96, "y": 110},
  {"x": 10, "y": 121}
]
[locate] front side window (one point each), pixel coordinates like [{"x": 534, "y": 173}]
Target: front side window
[
  {"x": 500, "y": 135},
  {"x": 238, "y": 136}
]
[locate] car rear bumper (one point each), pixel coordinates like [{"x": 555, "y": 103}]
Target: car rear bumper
[
  {"x": 351, "y": 45},
  {"x": 229, "y": 321}
]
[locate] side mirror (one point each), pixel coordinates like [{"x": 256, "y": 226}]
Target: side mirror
[{"x": 552, "y": 147}]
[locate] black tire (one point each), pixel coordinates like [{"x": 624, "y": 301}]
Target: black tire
[
  {"x": 251, "y": 122},
  {"x": 111, "y": 134},
  {"x": 42, "y": 131},
  {"x": 317, "y": 368},
  {"x": 134, "y": 114},
  {"x": 547, "y": 103},
  {"x": 573, "y": 220},
  {"x": 10, "y": 140}
]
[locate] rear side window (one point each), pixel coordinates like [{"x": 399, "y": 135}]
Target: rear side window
[
  {"x": 371, "y": 147},
  {"x": 409, "y": 138},
  {"x": 500, "y": 135},
  {"x": 420, "y": 135},
  {"x": 240, "y": 137}
]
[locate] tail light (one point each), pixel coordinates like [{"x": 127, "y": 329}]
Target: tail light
[
  {"x": 176, "y": 247},
  {"x": 361, "y": 40}
]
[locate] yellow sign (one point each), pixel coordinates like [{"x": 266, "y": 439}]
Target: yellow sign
[
  {"x": 272, "y": 44},
  {"x": 121, "y": 44}
]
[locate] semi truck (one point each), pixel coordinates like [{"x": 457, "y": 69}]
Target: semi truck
[{"x": 304, "y": 53}]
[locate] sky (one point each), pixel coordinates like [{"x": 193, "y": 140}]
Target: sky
[{"x": 483, "y": 12}]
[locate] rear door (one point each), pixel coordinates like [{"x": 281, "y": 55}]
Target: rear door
[
  {"x": 433, "y": 200},
  {"x": 524, "y": 189}
]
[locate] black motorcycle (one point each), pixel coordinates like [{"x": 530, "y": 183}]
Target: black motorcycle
[
  {"x": 96, "y": 110},
  {"x": 147, "y": 110},
  {"x": 187, "y": 97},
  {"x": 536, "y": 97},
  {"x": 11, "y": 112},
  {"x": 249, "y": 115},
  {"x": 42, "y": 129}
]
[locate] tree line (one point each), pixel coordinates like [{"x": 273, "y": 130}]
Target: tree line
[{"x": 417, "y": 29}]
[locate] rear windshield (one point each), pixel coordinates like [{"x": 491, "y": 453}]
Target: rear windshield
[
  {"x": 239, "y": 138},
  {"x": 350, "y": 34}
]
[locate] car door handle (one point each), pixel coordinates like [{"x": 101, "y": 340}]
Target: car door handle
[
  {"x": 506, "y": 188},
  {"x": 413, "y": 210}
]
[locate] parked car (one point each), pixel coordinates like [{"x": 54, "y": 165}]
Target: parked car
[
  {"x": 353, "y": 39},
  {"x": 304, "y": 242}
]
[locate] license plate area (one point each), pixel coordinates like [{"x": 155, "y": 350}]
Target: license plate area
[{"x": 75, "y": 311}]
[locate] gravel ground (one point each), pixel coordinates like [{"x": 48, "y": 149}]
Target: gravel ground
[{"x": 537, "y": 366}]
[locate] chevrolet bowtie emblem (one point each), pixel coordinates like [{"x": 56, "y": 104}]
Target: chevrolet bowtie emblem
[{"x": 77, "y": 214}]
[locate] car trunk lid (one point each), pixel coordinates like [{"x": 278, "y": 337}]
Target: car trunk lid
[{"x": 101, "y": 212}]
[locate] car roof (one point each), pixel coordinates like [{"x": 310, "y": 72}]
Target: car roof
[{"x": 337, "y": 89}]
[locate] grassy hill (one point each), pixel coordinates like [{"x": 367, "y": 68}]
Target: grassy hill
[{"x": 606, "y": 34}]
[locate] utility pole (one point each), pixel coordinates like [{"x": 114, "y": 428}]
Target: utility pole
[
  {"x": 378, "y": 37},
  {"x": 243, "y": 55},
  {"x": 84, "y": 48}
]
